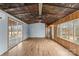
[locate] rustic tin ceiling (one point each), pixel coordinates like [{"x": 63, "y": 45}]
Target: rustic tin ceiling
[{"x": 29, "y": 12}]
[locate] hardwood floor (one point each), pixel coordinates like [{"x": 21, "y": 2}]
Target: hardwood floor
[{"x": 38, "y": 47}]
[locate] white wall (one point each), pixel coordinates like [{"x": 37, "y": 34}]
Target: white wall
[
  {"x": 3, "y": 33},
  {"x": 25, "y": 31},
  {"x": 37, "y": 30}
]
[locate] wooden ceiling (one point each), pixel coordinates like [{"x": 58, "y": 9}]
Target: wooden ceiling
[{"x": 29, "y": 12}]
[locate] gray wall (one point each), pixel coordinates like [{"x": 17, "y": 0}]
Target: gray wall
[{"x": 37, "y": 30}]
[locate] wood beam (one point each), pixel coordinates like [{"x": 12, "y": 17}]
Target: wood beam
[{"x": 40, "y": 9}]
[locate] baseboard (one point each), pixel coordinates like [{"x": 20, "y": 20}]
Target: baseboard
[{"x": 36, "y": 37}]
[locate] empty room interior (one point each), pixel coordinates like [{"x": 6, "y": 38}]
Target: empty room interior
[{"x": 39, "y": 29}]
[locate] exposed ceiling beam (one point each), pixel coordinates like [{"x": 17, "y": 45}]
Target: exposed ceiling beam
[{"x": 40, "y": 9}]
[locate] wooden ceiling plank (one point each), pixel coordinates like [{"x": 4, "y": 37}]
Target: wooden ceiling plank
[{"x": 63, "y": 6}]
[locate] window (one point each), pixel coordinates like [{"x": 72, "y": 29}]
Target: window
[
  {"x": 15, "y": 32},
  {"x": 12, "y": 32},
  {"x": 76, "y": 31},
  {"x": 19, "y": 33},
  {"x": 63, "y": 30},
  {"x": 69, "y": 31}
]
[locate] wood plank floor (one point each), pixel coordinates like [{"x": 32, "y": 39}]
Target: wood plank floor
[{"x": 38, "y": 47}]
